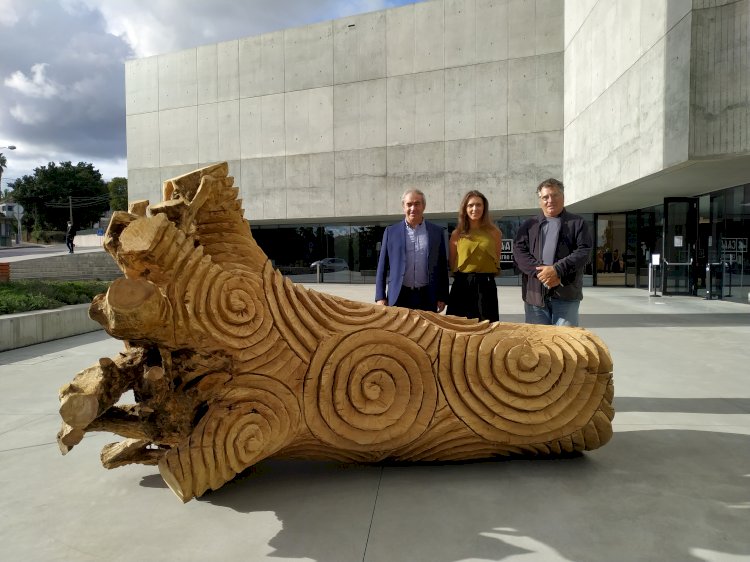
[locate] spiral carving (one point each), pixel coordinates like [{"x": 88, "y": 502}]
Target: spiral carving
[
  {"x": 255, "y": 417},
  {"x": 230, "y": 306},
  {"x": 519, "y": 389},
  {"x": 375, "y": 390}
]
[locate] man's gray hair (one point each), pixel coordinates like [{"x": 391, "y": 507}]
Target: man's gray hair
[
  {"x": 551, "y": 182},
  {"x": 418, "y": 192}
]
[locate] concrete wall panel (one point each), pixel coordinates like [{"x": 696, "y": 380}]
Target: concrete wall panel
[
  {"x": 429, "y": 36},
  {"x": 492, "y": 170},
  {"x": 273, "y": 193},
  {"x": 308, "y": 57},
  {"x": 142, "y": 85},
  {"x": 346, "y": 116},
  {"x": 491, "y": 30},
  {"x": 178, "y": 136},
  {"x": 400, "y": 117},
  {"x": 251, "y": 188},
  {"x": 144, "y": 184},
  {"x": 310, "y": 187},
  {"x": 251, "y": 131},
  {"x": 460, "y": 108},
  {"x": 272, "y": 125},
  {"x": 522, "y": 95},
  {"x": 261, "y": 63},
  {"x": 207, "y": 74},
  {"x": 372, "y": 113},
  {"x": 549, "y": 36},
  {"x": 297, "y": 122},
  {"x": 521, "y": 28},
  {"x": 677, "y": 94},
  {"x": 143, "y": 140},
  {"x": 400, "y": 41},
  {"x": 178, "y": 84},
  {"x": 321, "y": 119},
  {"x": 227, "y": 70},
  {"x": 548, "y": 95},
  {"x": 359, "y": 48},
  {"x": 208, "y": 133},
  {"x": 429, "y": 107},
  {"x": 460, "y": 33},
  {"x": 460, "y": 171},
  {"x": 492, "y": 99},
  {"x": 228, "y": 115},
  {"x": 360, "y": 182},
  {"x": 720, "y": 71}
]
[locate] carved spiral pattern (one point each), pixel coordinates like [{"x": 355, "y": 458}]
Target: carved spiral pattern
[
  {"x": 230, "y": 306},
  {"x": 254, "y": 418},
  {"x": 372, "y": 390},
  {"x": 519, "y": 390}
]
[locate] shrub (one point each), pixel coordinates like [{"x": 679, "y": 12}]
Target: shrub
[{"x": 28, "y": 295}]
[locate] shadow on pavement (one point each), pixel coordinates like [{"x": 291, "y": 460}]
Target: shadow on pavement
[{"x": 643, "y": 496}]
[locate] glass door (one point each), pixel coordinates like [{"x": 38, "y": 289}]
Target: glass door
[{"x": 679, "y": 253}]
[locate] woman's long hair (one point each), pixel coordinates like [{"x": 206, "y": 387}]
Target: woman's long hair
[{"x": 463, "y": 217}]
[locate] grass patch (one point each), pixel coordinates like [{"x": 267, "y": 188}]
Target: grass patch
[{"x": 28, "y": 295}]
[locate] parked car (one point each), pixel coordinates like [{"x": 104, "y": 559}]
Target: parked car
[{"x": 330, "y": 264}]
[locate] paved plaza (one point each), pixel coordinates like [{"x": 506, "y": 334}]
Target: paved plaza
[{"x": 672, "y": 485}]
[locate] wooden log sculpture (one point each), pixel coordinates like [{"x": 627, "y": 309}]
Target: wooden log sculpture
[{"x": 231, "y": 363}]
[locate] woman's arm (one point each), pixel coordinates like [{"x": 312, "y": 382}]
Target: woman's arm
[
  {"x": 453, "y": 250},
  {"x": 497, "y": 235}
]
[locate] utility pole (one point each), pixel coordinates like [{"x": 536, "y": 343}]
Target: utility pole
[{"x": 70, "y": 203}]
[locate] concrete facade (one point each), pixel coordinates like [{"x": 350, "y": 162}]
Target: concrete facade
[
  {"x": 629, "y": 101},
  {"x": 334, "y": 120},
  {"x": 656, "y": 100}
]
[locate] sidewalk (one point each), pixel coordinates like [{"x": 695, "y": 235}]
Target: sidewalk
[{"x": 672, "y": 485}]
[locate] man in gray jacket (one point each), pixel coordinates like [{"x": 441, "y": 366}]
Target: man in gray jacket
[{"x": 552, "y": 250}]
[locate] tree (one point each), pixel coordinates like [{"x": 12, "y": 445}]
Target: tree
[
  {"x": 48, "y": 195},
  {"x": 3, "y": 165},
  {"x": 118, "y": 194}
]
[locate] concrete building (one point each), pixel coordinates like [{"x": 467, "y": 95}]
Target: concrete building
[{"x": 641, "y": 106}]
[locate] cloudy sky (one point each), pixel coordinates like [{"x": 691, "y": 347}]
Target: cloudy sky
[{"x": 62, "y": 65}]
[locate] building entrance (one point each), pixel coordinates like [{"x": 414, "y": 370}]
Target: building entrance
[
  {"x": 679, "y": 257},
  {"x": 614, "y": 263}
]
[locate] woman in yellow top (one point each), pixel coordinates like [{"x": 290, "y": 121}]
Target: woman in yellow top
[{"x": 474, "y": 257}]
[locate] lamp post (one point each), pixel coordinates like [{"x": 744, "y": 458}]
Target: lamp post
[{"x": 9, "y": 147}]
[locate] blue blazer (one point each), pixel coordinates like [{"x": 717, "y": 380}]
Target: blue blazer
[{"x": 392, "y": 263}]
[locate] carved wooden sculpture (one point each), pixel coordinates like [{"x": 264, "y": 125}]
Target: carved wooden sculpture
[{"x": 231, "y": 363}]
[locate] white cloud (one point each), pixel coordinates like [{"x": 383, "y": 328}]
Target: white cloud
[
  {"x": 35, "y": 86},
  {"x": 28, "y": 114}
]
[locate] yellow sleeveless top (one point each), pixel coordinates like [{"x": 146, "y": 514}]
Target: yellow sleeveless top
[{"x": 476, "y": 253}]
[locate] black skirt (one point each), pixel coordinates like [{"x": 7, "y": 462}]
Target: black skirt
[{"x": 474, "y": 295}]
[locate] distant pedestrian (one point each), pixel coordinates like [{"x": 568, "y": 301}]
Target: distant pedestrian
[{"x": 70, "y": 234}]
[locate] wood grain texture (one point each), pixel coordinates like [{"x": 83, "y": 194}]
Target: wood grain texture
[{"x": 231, "y": 363}]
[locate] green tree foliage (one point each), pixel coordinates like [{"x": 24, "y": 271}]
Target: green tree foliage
[
  {"x": 45, "y": 196},
  {"x": 3, "y": 164},
  {"x": 118, "y": 194}
]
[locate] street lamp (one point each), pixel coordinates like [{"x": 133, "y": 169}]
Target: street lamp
[{"x": 9, "y": 147}]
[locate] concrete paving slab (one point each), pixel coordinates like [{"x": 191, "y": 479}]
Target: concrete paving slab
[{"x": 672, "y": 485}]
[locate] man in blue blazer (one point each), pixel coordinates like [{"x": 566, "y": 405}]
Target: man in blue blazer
[{"x": 413, "y": 260}]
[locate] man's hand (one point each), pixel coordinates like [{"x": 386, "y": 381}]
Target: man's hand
[
  {"x": 547, "y": 274},
  {"x": 441, "y": 306},
  {"x": 382, "y": 301}
]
